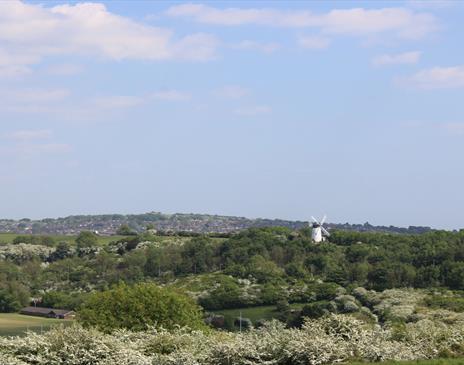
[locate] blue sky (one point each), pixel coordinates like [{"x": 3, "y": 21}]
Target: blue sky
[{"x": 258, "y": 109}]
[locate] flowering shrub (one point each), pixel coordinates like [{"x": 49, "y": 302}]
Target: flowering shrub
[
  {"x": 22, "y": 252},
  {"x": 330, "y": 339}
]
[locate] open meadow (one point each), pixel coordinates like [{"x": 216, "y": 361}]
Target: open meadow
[
  {"x": 13, "y": 324},
  {"x": 254, "y": 314},
  {"x": 7, "y": 238}
]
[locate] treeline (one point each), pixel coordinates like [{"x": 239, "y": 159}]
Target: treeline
[{"x": 268, "y": 257}]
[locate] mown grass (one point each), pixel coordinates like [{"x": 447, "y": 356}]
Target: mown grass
[
  {"x": 13, "y": 324},
  {"x": 266, "y": 312}
]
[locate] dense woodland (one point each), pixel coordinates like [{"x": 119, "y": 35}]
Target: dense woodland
[{"x": 274, "y": 260}]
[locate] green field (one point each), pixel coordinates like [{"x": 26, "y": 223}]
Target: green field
[
  {"x": 12, "y": 324},
  {"x": 102, "y": 240},
  {"x": 254, "y": 313},
  {"x": 6, "y": 238},
  {"x": 417, "y": 362}
]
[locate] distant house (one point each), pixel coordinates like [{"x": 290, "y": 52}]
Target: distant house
[{"x": 48, "y": 312}]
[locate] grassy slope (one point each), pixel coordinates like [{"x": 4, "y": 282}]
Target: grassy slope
[
  {"x": 16, "y": 324},
  {"x": 254, "y": 313}
]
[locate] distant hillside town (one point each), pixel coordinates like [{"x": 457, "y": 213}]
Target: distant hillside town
[{"x": 108, "y": 224}]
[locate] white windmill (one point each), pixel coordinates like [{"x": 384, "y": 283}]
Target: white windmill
[{"x": 319, "y": 233}]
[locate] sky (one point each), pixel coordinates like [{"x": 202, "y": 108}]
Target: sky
[{"x": 256, "y": 109}]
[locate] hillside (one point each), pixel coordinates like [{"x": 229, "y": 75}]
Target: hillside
[
  {"x": 107, "y": 224},
  {"x": 387, "y": 296}
]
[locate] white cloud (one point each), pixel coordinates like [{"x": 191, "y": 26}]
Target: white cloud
[
  {"x": 232, "y": 92},
  {"x": 195, "y": 47},
  {"x": 14, "y": 71},
  {"x": 170, "y": 95},
  {"x": 65, "y": 69},
  {"x": 313, "y": 42},
  {"x": 437, "y": 78},
  {"x": 130, "y": 101},
  {"x": 31, "y": 143},
  {"x": 30, "y": 32},
  {"x": 118, "y": 101},
  {"x": 256, "y": 46},
  {"x": 431, "y": 4},
  {"x": 401, "y": 22},
  {"x": 26, "y": 98},
  {"x": 29, "y": 135},
  {"x": 455, "y": 128},
  {"x": 15, "y": 64},
  {"x": 407, "y": 58},
  {"x": 28, "y": 150},
  {"x": 253, "y": 110}
]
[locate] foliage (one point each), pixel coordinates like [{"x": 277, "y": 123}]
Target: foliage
[
  {"x": 86, "y": 239},
  {"x": 265, "y": 265},
  {"x": 138, "y": 307},
  {"x": 328, "y": 340},
  {"x": 8, "y": 303},
  {"x": 125, "y": 230},
  {"x": 35, "y": 240},
  {"x": 450, "y": 302},
  {"x": 61, "y": 299}
]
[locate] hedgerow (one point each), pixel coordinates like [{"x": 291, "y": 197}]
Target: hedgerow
[{"x": 330, "y": 339}]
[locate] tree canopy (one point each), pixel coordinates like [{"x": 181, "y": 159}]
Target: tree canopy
[{"x": 139, "y": 306}]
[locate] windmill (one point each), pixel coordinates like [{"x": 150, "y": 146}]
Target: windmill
[{"x": 319, "y": 233}]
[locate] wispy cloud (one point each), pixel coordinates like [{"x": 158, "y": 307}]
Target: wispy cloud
[
  {"x": 32, "y": 100},
  {"x": 401, "y": 22},
  {"x": 313, "y": 42},
  {"x": 431, "y": 4},
  {"x": 407, "y": 58},
  {"x": 232, "y": 92},
  {"x": 118, "y": 101},
  {"x": 268, "y": 47},
  {"x": 436, "y": 78},
  {"x": 31, "y": 143},
  {"x": 65, "y": 69},
  {"x": 36, "y": 95},
  {"x": 170, "y": 95},
  {"x": 130, "y": 101},
  {"x": 255, "y": 110},
  {"x": 455, "y": 128},
  {"x": 14, "y": 71},
  {"x": 32, "y": 150},
  {"x": 30, "y": 135},
  {"x": 14, "y": 63}
]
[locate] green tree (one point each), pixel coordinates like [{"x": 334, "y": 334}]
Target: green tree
[
  {"x": 86, "y": 239},
  {"x": 63, "y": 250},
  {"x": 225, "y": 295},
  {"x": 8, "y": 302},
  {"x": 138, "y": 307},
  {"x": 197, "y": 255},
  {"x": 125, "y": 230}
]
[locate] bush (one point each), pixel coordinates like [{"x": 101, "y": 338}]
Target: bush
[
  {"x": 328, "y": 340},
  {"x": 315, "y": 310},
  {"x": 326, "y": 291},
  {"x": 138, "y": 307},
  {"x": 56, "y": 299},
  {"x": 455, "y": 304},
  {"x": 8, "y": 303},
  {"x": 226, "y": 295},
  {"x": 86, "y": 239}
]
